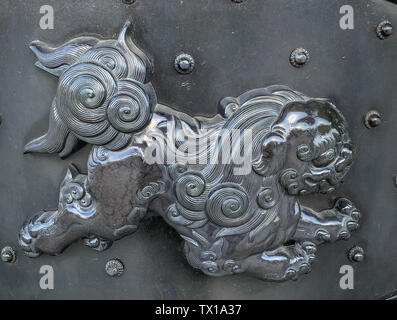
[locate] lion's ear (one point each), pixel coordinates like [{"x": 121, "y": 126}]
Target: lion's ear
[
  {"x": 71, "y": 173},
  {"x": 272, "y": 157}
]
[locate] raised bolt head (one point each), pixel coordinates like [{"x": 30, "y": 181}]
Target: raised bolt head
[
  {"x": 387, "y": 30},
  {"x": 129, "y": 1},
  {"x": 356, "y": 254},
  {"x": 8, "y": 255},
  {"x": 184, "y": 63},
  {"x": 384, "y": 30},
  {"x": 372, "y": 119},
  {"x": 299, "y": 57},
  {"x": 114, "y": 268},
  {"x": 358, "y": 257}
]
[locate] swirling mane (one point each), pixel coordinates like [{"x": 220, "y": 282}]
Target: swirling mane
[{"x": 102, "y": 96}]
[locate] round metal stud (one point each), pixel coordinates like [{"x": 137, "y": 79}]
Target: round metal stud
[
  {"x": 356, "y": 254},
  {"x": 299, "y": 57},
  {"x": 237, "y": 1},
  {"x": 114, "y": 267},
  {"x": 184, "y": 63},
  {"x": 129, "y": 1},
  {"x": 8, "y": 255},
  {"x": 384, "y": 29},
  {"x": 372, "y": 119}
]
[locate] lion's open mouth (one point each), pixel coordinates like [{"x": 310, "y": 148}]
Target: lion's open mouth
[{"x": 325, "y": 179}]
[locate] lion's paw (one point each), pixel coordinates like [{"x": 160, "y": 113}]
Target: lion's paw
[
  {"x": 344, "y": 219},
  {"x": 287, "y": 262},
  {"x": 303, "y": 255},
  {"x": 31, "y": 230}
]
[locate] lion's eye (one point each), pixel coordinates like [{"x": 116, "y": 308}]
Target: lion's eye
[
  {"x": 325, "y": 158},
  {"x": 304, "y": 152}
]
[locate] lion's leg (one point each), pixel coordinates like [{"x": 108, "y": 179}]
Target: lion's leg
[
  {"x": 79, "y": 215},
  {"x": 328, "y": 225},
  {"x": 283, "y": 263},
  {"x": 103, "y": 206},
  {"x": 51, "y": 231}
]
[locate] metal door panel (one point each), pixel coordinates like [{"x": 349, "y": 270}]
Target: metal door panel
[{"x": 236, "y": 47}]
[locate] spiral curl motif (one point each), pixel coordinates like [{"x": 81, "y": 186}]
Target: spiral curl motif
[
  {"x": 267, "y": 198},
  {"x": 83, "y": 92},
  {"x": 97, "y": 108},
  {"x": 290, "y": 181},
  {"x": 130, "y": 110},
  {"x": 188, "y": 189},
  {"x": 228, "y": 206}
]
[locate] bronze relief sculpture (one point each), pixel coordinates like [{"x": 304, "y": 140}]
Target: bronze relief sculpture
[{"x": 235, "y": 213}]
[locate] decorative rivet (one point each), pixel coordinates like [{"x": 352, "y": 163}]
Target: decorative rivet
[
  {"x": 384, "y": 29},
  {"x": 184, "y": 63},
  {"x": 237, "y": 1},
  {"x": 8, "y": 255},
  {"x": 114, "y": 267},
  {"x": 356, "y": 254},
  {"x": 372, "y": 119},
  {"x": 299, "y": 57},
  {"x": 129, "y": 1}
]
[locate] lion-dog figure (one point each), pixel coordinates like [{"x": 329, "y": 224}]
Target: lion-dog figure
[{"x": 149, "y": 157}]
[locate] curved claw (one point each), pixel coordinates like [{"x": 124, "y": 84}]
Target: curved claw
[
  {"x": 304, "y": 268},
  {"x": 352, "y": 225},
  {"x": 343, "y": 234},
  {"x": 323, "y": 235},
  {"x": 292, "y": 275},
  {"x": 97, "y": 243},
  {"x": 309, "y": 247},
  {"x": 356, "y": 215}
]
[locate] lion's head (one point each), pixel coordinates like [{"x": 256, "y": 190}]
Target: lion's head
[
  {"x": 103, "y": 94},
  {"x": 308, "y": 146}
]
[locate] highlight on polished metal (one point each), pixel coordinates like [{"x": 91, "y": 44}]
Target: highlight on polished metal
[{"x": 230, "y": 223}]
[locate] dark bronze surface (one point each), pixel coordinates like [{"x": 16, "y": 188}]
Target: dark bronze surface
[{"x": 236, "y": 47}]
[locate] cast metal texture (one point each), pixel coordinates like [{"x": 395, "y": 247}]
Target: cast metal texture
[
  {"x": 250, "y": 49},
  {"x": 230, "y": 222}
]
